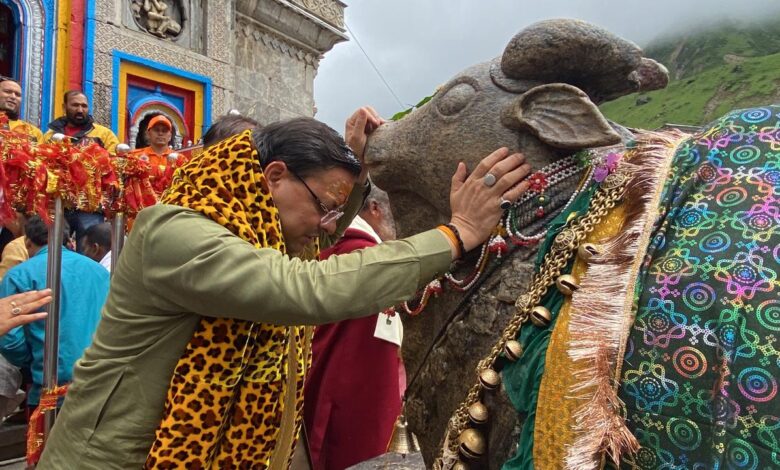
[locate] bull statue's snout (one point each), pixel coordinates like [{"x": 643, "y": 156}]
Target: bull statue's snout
[{"x": 377, "y": 148}]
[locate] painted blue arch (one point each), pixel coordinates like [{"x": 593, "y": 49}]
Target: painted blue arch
[
  {"x": 120, "y": 56},
  {"x": 138, "y": 97}
]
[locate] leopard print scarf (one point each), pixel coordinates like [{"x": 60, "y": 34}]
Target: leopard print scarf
[{"x": 231, "y": 387}]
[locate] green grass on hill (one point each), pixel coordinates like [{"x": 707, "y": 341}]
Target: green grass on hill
[
  {"x": 702, "y": 97},
  {"x": 700, "y": 50}
]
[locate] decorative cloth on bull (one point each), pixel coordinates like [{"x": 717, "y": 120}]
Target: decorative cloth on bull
[
  {"x": 700, "y": 375},
  {"x": 232, "y": 386},
  {"x": 522, "y": 379},
  {"x": 579, "y": 417},
  {"x": 699, "y": 372}
]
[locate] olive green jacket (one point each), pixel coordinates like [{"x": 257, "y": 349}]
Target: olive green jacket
[{"x": 178, "y": 265}]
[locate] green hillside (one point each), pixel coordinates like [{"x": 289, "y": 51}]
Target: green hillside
[{"x": 714, "y": 70}]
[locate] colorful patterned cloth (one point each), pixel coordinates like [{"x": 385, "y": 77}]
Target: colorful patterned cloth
[{"x": 700, "y": 375}]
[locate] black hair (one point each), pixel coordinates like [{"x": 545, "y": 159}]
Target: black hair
[
  {"x": 70, "y": 93},
  {"x": 226, "y": 126},
  {"x": 306, "y": 146},
  {"x": 3, "y": 78},
  {"x": 100, "y": 234},
  {"x": 37, "y": 231}
]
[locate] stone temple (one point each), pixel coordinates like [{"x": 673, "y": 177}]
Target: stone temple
[{"x": 191, "y": 60}]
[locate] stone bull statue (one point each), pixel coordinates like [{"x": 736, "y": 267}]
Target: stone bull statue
[{"x": 626, "y": 311}]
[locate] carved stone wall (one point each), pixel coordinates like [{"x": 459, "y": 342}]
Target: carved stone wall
[
  {"x": 328, "y": 10},
  {"x": 278, "y": 45},
  {"x": 261, "y": 55},
  {"x": 203, "y": 47},
  {"x": 274, "y": 79},
  {"x": 187, "y": 21}
]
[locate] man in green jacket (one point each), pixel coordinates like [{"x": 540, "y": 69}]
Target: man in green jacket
[{"x": 199, "y": 358}]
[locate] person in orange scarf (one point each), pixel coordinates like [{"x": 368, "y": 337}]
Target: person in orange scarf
[
  {"x": 201, "y": 352},
  {"x": 159, "y": 153}
]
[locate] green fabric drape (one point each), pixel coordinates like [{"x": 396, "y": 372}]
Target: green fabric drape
[{"x": 523, "y": 378}]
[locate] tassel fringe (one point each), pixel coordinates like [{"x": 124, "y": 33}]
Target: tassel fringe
[{"x": 601, "y": 311}]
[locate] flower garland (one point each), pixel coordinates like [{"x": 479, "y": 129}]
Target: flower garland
[
  {"x": 508, "y": 232},
  {"x": 133, "y": 189},
  {"x": 33, "y": 175},
  {"x": 162, "y": 175},
  {"x": 86, "y": 178}
]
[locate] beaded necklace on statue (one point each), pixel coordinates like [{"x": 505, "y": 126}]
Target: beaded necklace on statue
[{"x": 508, "y": 231}]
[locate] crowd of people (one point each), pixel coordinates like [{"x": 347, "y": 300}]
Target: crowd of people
[{"x": 197, "y": 355}]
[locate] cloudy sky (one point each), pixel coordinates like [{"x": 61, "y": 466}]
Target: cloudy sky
[{"x": 419, "y": 44}]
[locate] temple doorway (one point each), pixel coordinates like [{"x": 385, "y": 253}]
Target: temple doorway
[{"x": 8, "y": 49}]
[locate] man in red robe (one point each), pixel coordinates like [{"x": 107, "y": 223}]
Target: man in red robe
[{"x": 353, "y": 390}]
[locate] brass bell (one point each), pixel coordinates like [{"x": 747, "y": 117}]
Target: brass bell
[
  {"x": 586, "y": 251},
  {"x": 513, "y": 350},
  {"x": 567, "y": 284},
  {"x": 478, "y": 413},
  {"x": 402, "y": 440},
  {"x": 471, "y": 443},
  {"x": 540, "y": 316},
  {"x": 489, "y": 379},
  {"x": 460, "y": 466}
]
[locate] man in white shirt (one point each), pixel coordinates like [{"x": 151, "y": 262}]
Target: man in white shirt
[{"x": 97, "y": 244}]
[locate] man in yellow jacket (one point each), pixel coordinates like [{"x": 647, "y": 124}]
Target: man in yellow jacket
[
  {"x": 10, "y": 104},
  {"x": 79, "y": 125}
]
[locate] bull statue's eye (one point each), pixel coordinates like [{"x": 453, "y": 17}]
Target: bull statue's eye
[{"x": 455, "y": 99}]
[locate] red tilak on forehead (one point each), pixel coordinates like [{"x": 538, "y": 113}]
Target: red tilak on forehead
[{"x": 339, "y": 190}]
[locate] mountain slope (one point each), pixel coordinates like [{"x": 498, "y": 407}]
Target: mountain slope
[{"x": 715, "y": 70}]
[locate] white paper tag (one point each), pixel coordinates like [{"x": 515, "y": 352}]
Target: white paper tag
[{"x": 389, "y": 329}]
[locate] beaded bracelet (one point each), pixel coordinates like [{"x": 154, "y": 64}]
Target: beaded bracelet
[{"x": 455, "y": 232}]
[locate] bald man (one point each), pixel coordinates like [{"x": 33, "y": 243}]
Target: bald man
[{"x": 10, "y": 104}]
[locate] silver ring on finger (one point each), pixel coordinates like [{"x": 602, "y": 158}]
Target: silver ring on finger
[
  {"x": 16, "y": 311},
  {"x": 505, "y": 204},
  {"x": 489, "y": 179}
]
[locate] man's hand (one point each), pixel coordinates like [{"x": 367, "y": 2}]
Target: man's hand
[
  {"x": 476, "y": 205},
  {"x": 359, "y": 126},
  {"x": 20, "y": 309}
]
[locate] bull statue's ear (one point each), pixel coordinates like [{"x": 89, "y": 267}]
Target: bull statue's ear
[{"x": 561, "y": 116}]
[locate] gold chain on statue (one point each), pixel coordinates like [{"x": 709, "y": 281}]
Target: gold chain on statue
[{"x": 460, "y": 437}]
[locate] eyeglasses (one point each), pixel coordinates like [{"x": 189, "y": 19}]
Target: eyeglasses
[{"x": 331, "y": 215}]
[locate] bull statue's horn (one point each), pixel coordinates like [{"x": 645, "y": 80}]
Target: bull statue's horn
[{"x": 580, "y": 54}]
